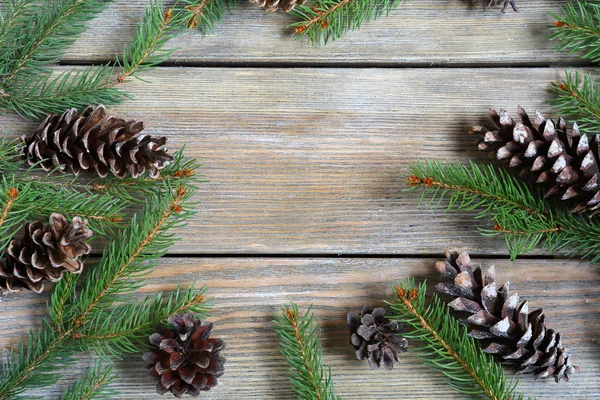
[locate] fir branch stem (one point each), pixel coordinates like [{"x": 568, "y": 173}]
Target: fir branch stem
[
  {"x": 173, "y": 207},
  {"x": 12, "y": 195},
  {"x": 407, "y": 299},
  {"x": 292, "y": 316},
  {"x": 321, "y": 17}
]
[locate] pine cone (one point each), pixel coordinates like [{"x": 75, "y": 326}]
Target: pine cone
[
  {"x": 548, "y": 153},
  {"x": 274, "y": 5},
  {"x": 183, "y": 358},
  {"x": 506, "y": 4},
  {"x": 506, "y": 328},
  {"x": 374, "y": 337},
  {"x": 44, "y": 254},
  {"x": 94, "y": 141}
]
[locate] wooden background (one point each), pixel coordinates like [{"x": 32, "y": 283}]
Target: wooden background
[{"x": 306, "y": 150}]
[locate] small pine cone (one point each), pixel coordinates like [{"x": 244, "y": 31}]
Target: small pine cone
[
  {"x": 546, "y": 152},
  {"x": 375, "y": 337},
  {"x": 274, "y": 5},
  {"x": 183, "y": 358},
  {"x": 96, "y": 142},
  {"x": 505, "y": 327},
  {"x": 506, "y": 4},
  {"x": 44, "y": 254}
]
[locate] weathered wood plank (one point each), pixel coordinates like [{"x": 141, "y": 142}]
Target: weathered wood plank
[
  {"x": 247, "y": 293},
  {"x": 314, "y": 160},
  {"x": 427, "y": 32}
]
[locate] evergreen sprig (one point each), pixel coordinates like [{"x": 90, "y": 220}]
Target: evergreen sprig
[
  {"x": 578, "y": 98},
  {"x": 299, "y": 339},
  {"x": 321, "y": 21},
  {"x": 513, "y": 208},
  {"x": 35, "y": 37},
  {"x": 447, "y": 347},
  {"x": 203, "y": 14},
  {"x": 577, "y": 30},
  {"x": 93, "y": 384},
  {"x": 95, "y": 317}
]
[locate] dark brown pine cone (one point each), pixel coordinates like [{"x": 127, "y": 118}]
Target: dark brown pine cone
[
  {"x": 274, "y": 5},
  {"x": 183, "y": 358},
  {"x": 563, "y": 160},
  {"x": 375, "y": 338},
  {"x": 505, "y": 327},
  {"x": 96, "y": 142},
  {"x": 506, "y": 4},
  {"x": 44, "y": 254}
]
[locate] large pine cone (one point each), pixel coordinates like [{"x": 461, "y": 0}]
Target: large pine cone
[
  {"x": 183, "y": 358},
  {"x": 545, "y": 151},
  {"x": 274, "y": 5},
  {"x": 505, "y": 327},
  {"x": 96, "y": 142},
  {"x": 375, "y": 338},
  {"x": 44, "y": 254}
]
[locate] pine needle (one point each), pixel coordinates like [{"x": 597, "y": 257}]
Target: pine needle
[
  {"x": 300, "y": 345},
  {"x": 577, "y": 30},
  {"x": 321, "y": 21},
  {"x": 203, "y": 14},
  {"x": 513, "y": 208},
  {"x": 447, "y": 347},
  {"x": 93, "y": 384}
]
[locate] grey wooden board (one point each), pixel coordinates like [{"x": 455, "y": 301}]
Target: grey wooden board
[
  {"x": 315, "y": 160},
  {"x": 424, "y": 33},
  {"x": 248, "y": 292}
]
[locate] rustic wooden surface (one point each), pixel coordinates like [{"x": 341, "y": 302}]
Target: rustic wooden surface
[{"x": 306, "y": 150}]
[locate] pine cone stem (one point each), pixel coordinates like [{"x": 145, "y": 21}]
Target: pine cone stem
[{"x": 407, "y": 299}]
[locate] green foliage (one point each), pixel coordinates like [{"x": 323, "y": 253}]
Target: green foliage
[
  {"x": 92, "y": 385},
  {"x": 36, "y": 35},
  {"x": 299, "y": 343},
  {"x": 577, "y": 30},
  {"x": 322, "y": 21},
  {"x": 203, "y": 14},
  {"x": 512, "y": 208},
  {"x": 578, "y": 97},
  {"x": 446, "y": 346}
]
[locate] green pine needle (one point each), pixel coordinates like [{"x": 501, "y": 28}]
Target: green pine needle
[
  {"x": 300, "y": 345},
  {"x": 203, "y": 14},
  {"x": 93, "y": 384},
  {"x": 577, "y": 30},
  {"x": 447, "y": 347},
  {"x": 322, "y": 21},
  {"x": 578, "y": 98},
  {"x": 512, "y": 208}
]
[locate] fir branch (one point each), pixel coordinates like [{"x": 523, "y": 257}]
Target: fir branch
[
  {"x": 577, "y": 30},
  {"x": 448, "y": 349},
  {"x": 515, "y": 209},
  {"x": 578, "y": 97},
  {"x": 322, "y": 21},
  {"x": 204, "y": 14},
  {"x": 299, "y": 343},
  {"x": 55, "y": 26},
  {"x": 147, "y": 50},
  {"x": 10, "y": 155},
  {"x": 125, "y": 328},
  {"x": 123, "y": 261},
  {"x": 92, "y": 385}
]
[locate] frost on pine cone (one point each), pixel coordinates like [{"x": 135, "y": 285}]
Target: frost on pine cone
[
  {"x": 375, "y": 338},
  {"x": 96, "y": 142},
  {"x": 505, "y": 327},
  {"x": 274, "y": 5},
  {"x": 564, "y": 160},
  {"x": 44, "y": 254},
  {"x": 184, "y": 359}
]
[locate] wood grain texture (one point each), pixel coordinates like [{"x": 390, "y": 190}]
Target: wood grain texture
[
  {"x": 247, "y": 292},
  {"x": 314, "y": 161},
  {"x": 424, "y": 33}
]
